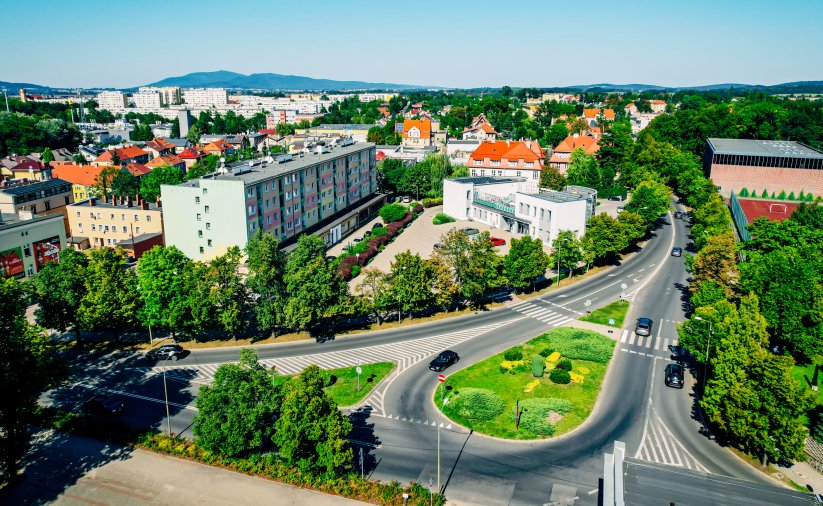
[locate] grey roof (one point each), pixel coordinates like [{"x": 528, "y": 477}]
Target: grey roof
[
  {"x": 483, "y": 180},
  {"x": 559, "y": 197},
  {"x": 37, "y": 186},
  {"x": 341, "y": 126},
  {"x": 763, "y": 148},
  {"x": 13, "y": 220},
  {"x": 178, "y": 143},
  {"x": 114, "y": 204},
  {"x": 584, "y": 190}
]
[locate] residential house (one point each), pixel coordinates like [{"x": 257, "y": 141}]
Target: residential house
[
  {"x": 592, "y": 116},
  {"x": 562, "y": 153},
  {"x": 191, "y": 155},
  {"x": 59, "y": 154},
  {"x": 81, "y": 177},
  {"x": 218, "y": 147},
  {"x": 133, "y": 224},
  {"x": 480, "y": 129},
  {"x": 127, "y": 154},
  {"x": 180, "y": 145},
  {"x": 630, "y": 109},
  {"x": 419, "y": 133},
  {"x": 24, "y": 167},
  {"x": 238, "y": 142},
  {"x": 90, "y": 152},
  {"x": 507, "y": 159},
  {"x": 159, "y": 147},
  {"x": 658, "y": 106},
  {"x": 167, "y": 161},
  {"x": 137, "y": 170}
]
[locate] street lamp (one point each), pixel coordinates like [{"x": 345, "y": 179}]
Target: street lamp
[
  {"x": 708, "y": 341},
  {"x": 166, "y": 391}
]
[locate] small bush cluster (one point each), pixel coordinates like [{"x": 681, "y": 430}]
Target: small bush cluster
[
  {"x": 565, "y": 364},
  {"x": 538, "y": 366},
  {"x": 802, "y": 197},
  {"x": 379, "y": 232},
  {"x": 535, "y": 413},
  {"x": 513, "y": 354},
  {"x": 416, "y": 208},
  {"x": 441, "y": 218},
  {"x": 361, "y": 254},
  {"x": 432, "y": 202},
  {"x": 393, "y": 212},
  {"x": 478, "y": 404},
  {"x": 545, "y": 352},
  {"x": 581, "y": 345},
  {"x": 560, "y": 376}
]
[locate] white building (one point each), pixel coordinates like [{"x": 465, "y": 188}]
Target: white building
[
  {"x": 114, "y": 101},
  {"x": 370, "y": 97},
  {"x": 146, "y": 99},
  {"x": 206, "y": 97},
  {"x": 169, "y": 95},
  {"x": 515, "y": 204}
]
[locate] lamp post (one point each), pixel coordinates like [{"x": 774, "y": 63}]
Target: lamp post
[
  {"x": 708, "y": 341},
  {"x": 166, "y": 392}
]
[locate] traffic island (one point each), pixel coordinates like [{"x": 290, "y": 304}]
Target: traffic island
[{"x": 540, "y": 389}]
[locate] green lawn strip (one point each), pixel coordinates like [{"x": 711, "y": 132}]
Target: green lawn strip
[
  {"x": 616, "y": 311},
  {"x": 804, "y": 374},
  {"x": 344, "y": 389},
  {"x": 510, "y": 387}
]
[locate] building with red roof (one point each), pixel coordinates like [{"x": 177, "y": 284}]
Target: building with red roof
[
  {"x": 168, "y": 160},
  {"x": 480, "y": 129},
  {"x": 563, "y": 152},
  {"x": 127, "y": 154},
  {"x": 159, "y": 147},
  {"x": 746, "y": 210},
  {"x": 592, "y": 116},
  {"x": 81, "y": 177},
  {"x": 507, "y": 158}
]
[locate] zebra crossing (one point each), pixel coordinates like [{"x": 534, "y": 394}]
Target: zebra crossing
[
  {"x": 405, "y": 354},
  {"x": 540, "y": 313},
  {"x": 659, "y": 445},
  {"x": 645, "y": 345}
]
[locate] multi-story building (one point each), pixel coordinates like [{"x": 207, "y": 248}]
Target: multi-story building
[
  {"x": 127, "y": 154},
  {"x": 514, "y": 204},
  {"x": 35, "y": 197},
  {"x": 562, "y": 154},
  {"x": 421, "y": 133},
  {"x": 146, "y": 99},
  {"x": 134, "y": 225},
  {"x": 328, "y": 193},
  {"x": 24, "y": 167},
  {"x": 184, "y": 119},
  {"x": 507, "y": 158},
  {"x": 81, "y": 177},
  {"x": 480, "y": 130},
  {"x": 169, "y": 95},
  {"x": 757, "y": 166},
  {"x": 29, "y": 242},
  {"x": 282, "y": 117},
  {"x": 371, "y": 97},
  {"x": 112, "y": 100},
  {"x": 592, "y": 116},
  {"x": 206, "y": 97},
  {"x": 356, "y": 132}
]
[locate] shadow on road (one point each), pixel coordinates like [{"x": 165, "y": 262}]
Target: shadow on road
[{"x": 362, "y": 437}]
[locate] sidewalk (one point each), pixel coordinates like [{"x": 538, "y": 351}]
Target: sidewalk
[
  {"x": 73, "y": 470},
  {"x": 804, "y": 474}
]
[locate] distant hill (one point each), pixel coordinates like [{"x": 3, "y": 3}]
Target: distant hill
[
  {"x": 226, "y": 79},
  {"x": 793, "y": 87},
  {"x": 13, "y": 87}
]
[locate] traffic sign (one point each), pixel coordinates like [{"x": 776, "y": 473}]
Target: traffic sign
[
  {"x": 441, "y": 378},
  {"x": 359, "y": 370}
]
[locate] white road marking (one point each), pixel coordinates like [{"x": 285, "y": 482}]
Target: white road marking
[
  {"x": 624, "y": 336},
  {"x": 631, "y": 339}
]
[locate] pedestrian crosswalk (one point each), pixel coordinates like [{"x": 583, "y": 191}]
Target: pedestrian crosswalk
[
  {"x": 404, "y": 354},
  {"x": 541, "y": 313},
  {"x": 646, "y": 345},
  {"x": 658, "y": 444}
]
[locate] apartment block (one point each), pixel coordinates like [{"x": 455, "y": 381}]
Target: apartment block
[
  {"x": 146, "y": 99},
  {"x": 35, "y": 197},
  {"x": 112, "y": 100},
  {"x": 134, "y": 225},
  {"x": 169, "y": 95},
  {"x": 328, "y": 193},
  {"x": 206, "y": 97},
  {"x": 29, "y": 242}
]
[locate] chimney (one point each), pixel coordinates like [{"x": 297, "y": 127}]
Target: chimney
[
  {"x": 106, "y": 199},
  {"x": 508, "y": 143},
  {"x": 129, "y": 202},
  {"x": 575, "y": 135},
  {"x": 529, "y": 144},
  {"x": 144, "y": 205},
  {"x": 93, "y": 201},
  {"x": 158, "y": 202}
]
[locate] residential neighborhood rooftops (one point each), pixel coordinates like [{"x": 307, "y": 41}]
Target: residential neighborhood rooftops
[
  {"x": 763, "y": 148},
  {"x": 593, "y": 113},
  {"x": 529, "y": 151},
  {"x": 21, "y": 189},
  {"x": 85, "y": 175},
  {"x": 123, "y": 153},
  {"x": 116, "y": 203}
]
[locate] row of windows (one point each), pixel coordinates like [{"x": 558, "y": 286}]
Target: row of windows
[
  {"x": 99, "y": 216},
  {"x": 511, "y": 163},
  {"x": 41, "y": 194},
  {"x": 768, "y": 161},
  {"x": 105, "y": 228}
]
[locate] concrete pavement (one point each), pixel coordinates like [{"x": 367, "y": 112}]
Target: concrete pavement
[{"x": 73, "y": 470}]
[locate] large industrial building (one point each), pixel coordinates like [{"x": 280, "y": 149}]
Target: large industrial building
[
  {"x": 328, "y": 193},
  {"x": 757, "y": 166}
]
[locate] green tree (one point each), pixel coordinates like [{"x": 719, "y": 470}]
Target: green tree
[
  {"x": 105, "y": 180},
  {"x": 416, "y": 180},
  {"x": 482, "y": 271},
  {"x": 375, "y": 290},
  {"x": 125, "y": 185},
  {"x": 604, "y": 238},
  {"x": 59, "y": 287},
  {"x": 204, "y": 166},
  {"x": 410, "y": 282},
  {"x": 551, "y": 178},
  {"x": 568, "y": 251},
  {"x": 444, "y": 287},
  {"x": 525, "y": 261},
  {"x": 47, "y": 156},
  {"x": 193, "y": 135},
  {"x": 229, "y": 295},
  {"x": 651, "y": 200},
  {"x": 111, "y": 301},
  {"x": 717, "y": 262},
  {"x": 29, "y": 366},
  {"x": 393, "y": 212},
  {"x": 316, "y": 292},
  {"x": 163, "y": 277},
  {"x": 150, "y": 183},
  {"x": 632, "y": 226},
  {"x": 584, "y": 170},
  {"x": 237, "y": 413},
  {"x": 267, "y": 267},
  {"x": 311, "y": 430},
  {"x": 389, "y": 173}
]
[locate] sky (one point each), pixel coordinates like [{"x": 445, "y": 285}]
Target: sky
[{"x": 451, "y": 43}]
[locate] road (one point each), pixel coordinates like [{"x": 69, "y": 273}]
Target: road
[{"x": 399, "y": 425}]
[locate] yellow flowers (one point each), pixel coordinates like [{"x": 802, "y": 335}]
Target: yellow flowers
[
  {"x": 576, "y": 377},
  {"x": 582, "y": 370},
  {"x": 531, "y": 386},
  {"x": 509, "y": 364},
  {"x": 554, "y": 357}
]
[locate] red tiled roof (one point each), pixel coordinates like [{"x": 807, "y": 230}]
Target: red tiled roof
[
  {"x": 658, "y": 102},
  {"x": 510, "y": 150},
  {"x": 380, "y": 156},
  {"x": 425, "y": 127},
  {"x": 160, "y": 144},
  {"x": 572, "y": 142},
  {"x": 85, "y": 175},
  {"x": 218, "y": 145},
  {"x": 124, "y": 153},
  {"x": 164, "y": 161},
  {"x": 593, "y": 113},
  {"x": 769, "y": 209},
  {"x": 191, "y": 154},
  {"x": 137, "y": 169}
]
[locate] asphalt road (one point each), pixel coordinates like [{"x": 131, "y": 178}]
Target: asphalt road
[{"x": 398, "y": 427}]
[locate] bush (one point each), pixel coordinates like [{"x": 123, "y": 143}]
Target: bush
[
  {"x": 538, "y": 366},
  {"x": 417, "y": 208},
  {"x": 432, "y": 202},
  {"x": 441, "y": 218},
  {"x": 536, "y": 411},
  {"x": 355, "y": 271},
  {"x": 545, "y": 352},
  {"x": 565, "y": 364},
  {"x": 393, "y": 212},
  {"x": 581, "y": 344},
  {"x": 478, "y": 404},
  {"x": 513, "y": 354},
  {"x": 379, "y": 231},
  {"x": 560, "y": 376}
]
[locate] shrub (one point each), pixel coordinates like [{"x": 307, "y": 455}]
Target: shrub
[
  {"x": 478, "y": 404},
  {"x": 393, "y": 212},
  {"x": 581, "y": 344},
  {"x": 545, "y": 352},
  {"x": 441, "y": 218},
  {"x": 513, "y": 354},
  {"x": 538, "y": 366},
  {"x": 432, "y": 202},
  {"x": 560, "y": 376},
  {"x": 379, "y": 231},
  {"x": 536, "y": 411},
  {"x": 565, "y": 364},
  {"x": 417, "y": 208},
  {"x": 791, "y": 196},
  {"x": 744, "y": 193},
  {"x": 355, "y": 271}
]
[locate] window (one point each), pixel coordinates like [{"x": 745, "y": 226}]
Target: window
[
  {"x": 208, "y": 226},
  {"x": 136, "y": 217},
  {"x": 196, "y": 200},
  {"x": 93, "y": 227},
  {"x": 99, "y": 216},
  {"x": 206, "y": 210},
  {"x": 111, "y": 217},
  {"x": 125, "y": 229},
  {"x": 148, "y": 217},
  {"x": 107, "y": 228},
  {"x": 534, "y": 175},
  {"x": 205, "y": 191},
  {"x": 199, "y": 233},
  {"x": 251, "y": 210},
  {"x": 78, "y": 214},
  {"x": 108, "y": 241},
  {"x": 137, "y": 230},
  {"x": 201, "y": 249},
  {"x": 208, "y": 243},
  {"x": 518, "y": 173},
  {"x": 91, "y": 215},
  {"x": 513, "y": 163},
  {"x": 66, "y": 199},
  {"x": 198, "y": 217},
  {"x": 250, "y": 192},
  {"x": 529, "y": 164},
  {"x": 267, "y": 187},
  {"x": 123, "y": 217},
  {"x": 80, "y": 227}
]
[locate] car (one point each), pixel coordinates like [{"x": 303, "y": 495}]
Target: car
[
  {"x": 367, "y": 235},
  {"x": 677, "y": 251},
  {"x": 619, "y": 209},
  {"x": 439, "y": 245},
  {"x": 443, "y": 360},
  {"x": 496, "y": 241},
  {"x": 166, "y": 352},
  {"x": 406, "y": 200},
  {"x": 330, "y": 258},
  {"x": 618, "y": 198},
  {"x": 677, "y": 215},
  {"x": 643, "y": 327},
  {"x": 104, "y": 405},
  {"x": 674, "y": 376},
  {"x": 376, "y": 225},
  {"x": 357, "y": 240}
]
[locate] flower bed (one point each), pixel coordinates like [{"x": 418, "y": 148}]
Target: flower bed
[{"x": 369, "y": 249}]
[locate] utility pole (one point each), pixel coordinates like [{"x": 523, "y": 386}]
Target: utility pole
[
  {"x": 166, "y": 391},
  {"x": 6, "y": 94}
]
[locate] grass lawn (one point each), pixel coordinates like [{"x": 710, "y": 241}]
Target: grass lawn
[
  {"x": 521, "y": 385},
  {"x": 805, "y": 373},
  {"x": 344, "y": 389},
  {"x": 615, "y": 311}
]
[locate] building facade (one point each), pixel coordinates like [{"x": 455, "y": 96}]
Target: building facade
[
  {"x": 35, "y": 197},
  {"x": 562, "y": 153},
  {"x": 146, "y": 99},
  {"x": 169, "y": 95},
  {"x": 28, "y": 242},
  {"x": 507, "y": 159},
  {"x": 514, "y": 204},
  {"x": 758, "y": 166},
  {"x": 111, "y": 221},
  {"x": 112, "y": 100},
  {"x": 327, "y": 193},
  {"x": 206, "y": 97}
]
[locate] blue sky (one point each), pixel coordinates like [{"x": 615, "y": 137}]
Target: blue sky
[{"x": 456, "y": 43}]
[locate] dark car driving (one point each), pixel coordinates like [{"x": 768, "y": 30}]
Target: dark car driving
[
  {"x": 102, "y": 405},
  {"x": 444, "y": 360},
  {"x": 643, "y": 327},
  {"x": 674, "y": 376},
  {"x": 677, "y": 251},
  {"x": 166, "y": 352}
]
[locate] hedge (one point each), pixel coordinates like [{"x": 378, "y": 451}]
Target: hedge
[
  {"x": 535, "y": 413},
  {"x": 560, "y": 376},
  {"x": 478, "y": 404},
  {"x": 432, "y": 202},
  {"x": 513, "y": 354},
  {"x": 441, "y": 218},
  {"x": 393, "y": 212},
  {"x": 581, "y": 345},
  {"x": 348, "y": 485},
  {"x": 369, "y": 249}
]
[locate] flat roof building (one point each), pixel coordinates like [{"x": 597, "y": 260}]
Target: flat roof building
[
  {"x": 757, "y": 165},
  {"x": 29, "y": 242},
  {"x": 113, "y": 221}
]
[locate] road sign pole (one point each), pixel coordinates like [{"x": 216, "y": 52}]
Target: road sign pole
[{"x": 359, "y": 371}]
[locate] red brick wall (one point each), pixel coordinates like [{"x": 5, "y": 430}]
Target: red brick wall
[{"x": 736, "y": 177}]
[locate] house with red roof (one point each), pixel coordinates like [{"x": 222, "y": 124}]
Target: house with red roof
[
  {"x": 480, "y": 129},
  {"x": 24, "y": 167},
  {"x": 137, "y": 170},
  {"x": 218, "y": 147},
  {"x": 658, "y": 106},
  {"x": 563, "y": 152},
  {"x": 81, "y": 177},
  {"x": 191, "y": 155},
  {"x": 418, "y": 133},
  {"x": 507, "y": 158},
  {"x": 592, "y": 116},
  {"x": 630, "y": 109},
  {"x": 127, "y": 154},
  {"x": 168, "y": 160},
  {"x": 159, "y": 147}
]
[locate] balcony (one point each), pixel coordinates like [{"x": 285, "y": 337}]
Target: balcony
[{"x": 504, "y": 204}]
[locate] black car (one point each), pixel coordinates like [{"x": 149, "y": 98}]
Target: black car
[
  {"x": 643, "y": 327},
  {"x": 376, "y": 225},
  {"x": 166, "y": 352},
  {"x": 102, "y": 405},
  {"x": 677, "y": 214},
  {"x": 677, "y": 251},
  {"x": 444, "y": 360},
  {"x": 674, "y": 376}
]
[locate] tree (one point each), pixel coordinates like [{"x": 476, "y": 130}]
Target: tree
[
  {"x": 150, "y": 183},
  {"x": 416, "y": 180},
  {"x": 316, "y": 290},
  {"x": 78, "y": 158},
  {"x": 142, "y": 133},
  {"x": 632, "y": 226},
  {"x": 200, "y": 168},
  {"x": 115, "y": 158},
  {"x": 717, "y": 262},
  {"x": 193, "y": 135},
  {"x": 651, "y": 200},
  {"x": 525, "y": 262},
  {"x": 615, "y": 144},
  {"x": 125, "y": 185},
  {"x": 410, "y": 282},
  {"x": 584, "y": 170},
  {"x": 267, "y": 267},
  {"x": 443, "y": 285},
  {"x": 482, "y": 271},
  {"x": 604, "y": 237},
  {"x": 163, "y": 277},
  {"x": 311, "y": 430},
  {"x": 568, "y": 251},
  {"x": 389, "y": 173},
  {"x": 59, "y": 287},
  {"x": 237, "y": 413},
  {"x": 47, "y": 156},
  {"x": 229, "y": 295},
  {"x": 551, "y": 178},
  {"x": 393, "y": 212},
  {"x": 105, "y": 179},
  {"x": 111, "y": 301},
  {"x": 375, "y": 290},
  {"x": 29, "y": 366}
]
